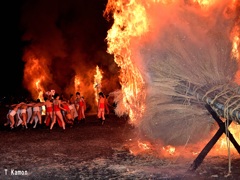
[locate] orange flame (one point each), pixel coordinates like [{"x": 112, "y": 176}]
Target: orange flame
[
  {"x": 144, "y": 146},
  {"x": 170, "y": 149},
  {"x": 39, "y": 89},
  {"x": 141, "y": 147},
  {"x": 36, "y": 74},
  {"x": 77, "y": 83},
  {"x": 97, "y": 82},
  {"x": 220, "y": 148},
  {"x": 204, "y": 3},
  {"x": 130, "y": 22},
  {"x": 235, "y": 38},
  {"x": 235, "y": 50},
  {"x": 236, "y": 42},
  {"x": 223, "y": 143}
]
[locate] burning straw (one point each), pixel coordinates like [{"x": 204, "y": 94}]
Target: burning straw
[
  {"x": 174, "y": 110},
  {"x": 185, "y": 61}
]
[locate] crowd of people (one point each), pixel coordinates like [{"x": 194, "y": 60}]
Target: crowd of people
[{"x": 57, "y": 110}]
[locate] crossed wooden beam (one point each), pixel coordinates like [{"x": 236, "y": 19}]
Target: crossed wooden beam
[{"x": 223, "y": 128}]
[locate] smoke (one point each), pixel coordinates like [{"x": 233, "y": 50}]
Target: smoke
[{"x": 64, "y": 39}]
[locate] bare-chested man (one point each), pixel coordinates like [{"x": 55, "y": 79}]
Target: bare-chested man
[
  {"x": 12, "y": 114},
  {"x": 37, "y": 112},
  {"x": 23, "y": 113},
  {"x": 72, "y": 106}
]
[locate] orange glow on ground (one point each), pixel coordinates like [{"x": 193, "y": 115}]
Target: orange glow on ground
[{"x": 221, "y": 148}]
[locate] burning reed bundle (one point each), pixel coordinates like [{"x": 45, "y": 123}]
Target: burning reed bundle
[
  {"x": 175, "y": 111},
  {"x": 223, "y": 99},
  {"x": 118, "y": 99},
  {"x": 183, "y": 76},
  {"x": 185, "y": 72},
  {"x": 185, "y": 60}
]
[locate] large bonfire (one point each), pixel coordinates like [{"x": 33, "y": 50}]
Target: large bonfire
[{"x": 175, "y": 56}]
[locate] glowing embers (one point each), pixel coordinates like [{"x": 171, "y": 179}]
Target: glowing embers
[
  {"x": 170, "y": 149},
  {"x": 224, "y": 144},
  {"x": 221, "y": 147},
  {"x": 144, "y": 146},
  {"x": 147, "y": 147}
]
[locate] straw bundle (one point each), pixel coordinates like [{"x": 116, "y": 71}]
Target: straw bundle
[
  {"x": 187, "y": 64},
  {"x": 182, "y": 75}
]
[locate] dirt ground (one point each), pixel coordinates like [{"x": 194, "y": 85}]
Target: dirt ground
[{"x": 93, "y": 151}]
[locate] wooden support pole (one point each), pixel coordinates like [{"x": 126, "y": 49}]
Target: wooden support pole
[
  {"x": 206, "y": 149},
  {"x": 223, "y": 125},
  {"x": 222, "y": 129}
]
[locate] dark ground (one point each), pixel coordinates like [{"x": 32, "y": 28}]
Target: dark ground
[{"x": 93, "y": 151}]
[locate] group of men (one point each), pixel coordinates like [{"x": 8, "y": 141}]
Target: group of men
[{"x": 63, "y": 111}]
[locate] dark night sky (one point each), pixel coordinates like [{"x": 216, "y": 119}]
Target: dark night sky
[
  {"x": 18, "y": 17},
  {"x": 11, "y": 46}
]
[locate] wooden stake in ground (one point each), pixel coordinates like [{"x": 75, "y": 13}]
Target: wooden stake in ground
[{"x": 222, "y": 129}]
